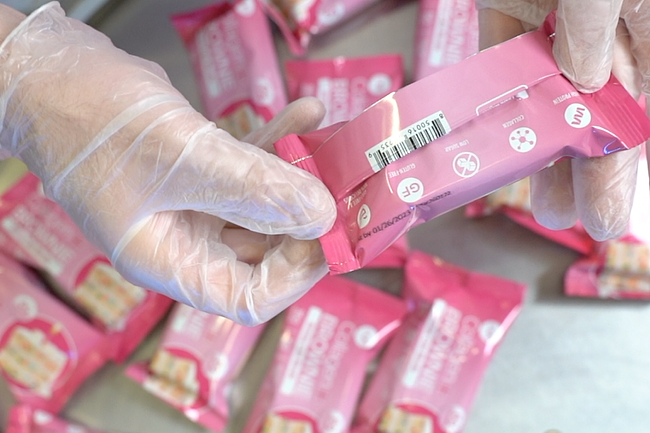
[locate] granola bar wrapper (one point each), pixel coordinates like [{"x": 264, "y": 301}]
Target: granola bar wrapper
[
  {"x": 197, "y": 360},
  {"x": 514, "y": 201},
  {"x": 429, "y": 374},
  {"x": 37, "y": 232},
  {"x": 425, "y": 150},
  {"x": 345, "y": 85},
  {"x": 620, "y": 268},
  {"x": 46, "y": 350},
  {"x": 235, "y": 64},
  {"x": 300, "y": 20},
  {"x": 329, "y": 337},
  {"x": 447, "y": 32},
  {"x": 24, "y": 419}
]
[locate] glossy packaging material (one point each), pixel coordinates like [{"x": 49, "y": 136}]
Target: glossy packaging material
[
  {"x": 620, "y": 268},
  {"x": 447, "y": 32},
  {"x": 300, "y": 20},
  {"x": 433, "y": 366},
  {"x": 329, "y": 337},
  {"x": 46, "y": 350},
  {"x": 37, "y": 232},
  {"x": 392, "y": 257},
  {"x": 453, "y": 137},
  {"x": 196, "y": 362},
  {"x": 514, "y": 202},
  {"x": 346, "y": 86},
  {"x": 24, "y": 419},
  {"x": 235, "y": 64}
]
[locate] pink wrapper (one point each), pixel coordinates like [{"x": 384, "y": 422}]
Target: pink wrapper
[
  {"x": 430, "y": 372},
  {"x": 300, "y": 20},
  {"x": 447, "y": 32},
  {"x": 514, "y": 202},
  {"x": 24, "y": 419},
  {"x": 46, "y": 350},
  {"x": 37, "y": 232},
  {"x": 329, "y": 337},
  {"x": 235, "y": 64},
  {"x": 620, "y": 268},
  {"x": 517, "y": 115},
  {"x": 346, "y": 86},
  {"x": 392, "y": 257},
  {"x": 196, "y": 362}
]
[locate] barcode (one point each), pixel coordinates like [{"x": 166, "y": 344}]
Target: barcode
[{"x": 407, "y": 140}]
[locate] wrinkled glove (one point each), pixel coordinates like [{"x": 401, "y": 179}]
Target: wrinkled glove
[
  {"x": 590, "y": 43},
  {"x": 178, "y": 205}
]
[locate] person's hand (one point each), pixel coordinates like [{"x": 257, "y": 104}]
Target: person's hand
[
  {"x": 590, "y": 43},
  {"x": 178, "y": 205}
]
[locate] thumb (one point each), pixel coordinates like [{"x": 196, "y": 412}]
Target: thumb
[{"x": 584, "y": 41}]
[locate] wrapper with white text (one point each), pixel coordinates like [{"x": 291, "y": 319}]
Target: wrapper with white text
[
  {"x": 196, "y": 362},
  {"x": 38, "y": 232},
  {"x": 329, "y": 337},
  {"x": 429, "y": 374},
  {"x": 235, "y": 64},
  {"x": 453, "y": 137}
]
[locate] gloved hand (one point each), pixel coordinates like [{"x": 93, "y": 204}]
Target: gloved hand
[
  {"x": 590, "y": 42},
  {"x": 176, "y": 204}
]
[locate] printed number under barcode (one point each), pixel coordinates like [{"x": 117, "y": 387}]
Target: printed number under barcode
[{"x": 409, "y": 139}]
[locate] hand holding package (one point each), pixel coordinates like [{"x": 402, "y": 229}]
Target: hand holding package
[{"x": 151, "y": 182}]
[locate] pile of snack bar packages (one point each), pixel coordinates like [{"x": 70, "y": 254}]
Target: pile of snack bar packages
[{"x": 65, "y": 312}]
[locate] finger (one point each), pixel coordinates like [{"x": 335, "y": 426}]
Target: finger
[
  {"x": 496, "y": 27},
  {"x": 181, "y": 255},
  {"x": 585, "y": 34},
  {"x": 299, "y": 117},
  {"x": 637, "y": 23},
  {"x": 552, "y": 196},
  {"x": 624, "y": 65},
  {"x": 249, "y": 246},
  {"x": 604, "y": 190}
]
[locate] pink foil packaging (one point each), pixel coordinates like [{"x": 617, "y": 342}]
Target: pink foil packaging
[
  {"x": 346, "y": 86},
  {"x": 329, "y": 337},
  {"x": 24, "y": 419},
  {"x": 620, "y": 268},
  {"x": 235, "y": 63},
  {"x": 37, "y": 232},
  {"x": 447, "y": 32},
  {"x": 300, "y": 20},
  {"x": 196, "y": 362},
  {"x": 46, "y": 350},
  {"x": 496, "y": 117},
  {"x": 429, "y": 374},
  {"x": 514, "y": 202}
]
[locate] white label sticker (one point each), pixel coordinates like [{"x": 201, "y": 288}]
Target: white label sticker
[{"x": 407, "y": 140}]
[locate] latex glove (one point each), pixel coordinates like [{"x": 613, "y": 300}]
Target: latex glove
[
  {"x": 590, "y": 42},
  {"x": 178, "y": 206}
]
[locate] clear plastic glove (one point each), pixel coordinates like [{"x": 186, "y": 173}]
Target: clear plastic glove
[
  {"x": 590, "y": 43},
  {"x": 178, "y": 205}
]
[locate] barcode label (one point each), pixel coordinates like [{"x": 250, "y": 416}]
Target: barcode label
[{"x": 407, "y": 140}]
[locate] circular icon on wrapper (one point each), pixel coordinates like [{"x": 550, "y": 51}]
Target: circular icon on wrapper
[
  {"x": 379, "y": 84},
  {"x": 410, "y": 190},
  {"x": 523, "y": 139},
  {"x": 466, "y": 164},
  {"x": 363, "y": 217},
  {"x": 577, "y": 116}
]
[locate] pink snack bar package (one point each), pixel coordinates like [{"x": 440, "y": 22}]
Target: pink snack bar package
[
  {"x": 393, "y": 257},
  {"x": 453, "y": 137},
  {"x": 300, "y": 20},
  {"x": 24, "y": 419},
  {"x": 346, "y": 86},
  {"x": 195, "y": 364},
  {"x": 235, "y": 64},
  {"x": 430, "y": 372},
  {"x": 46, "y": 350},
  {"x": 447, "y": 32},
  {"x": 329, "y": 337},
  {"x": 37, "y": 232},
  {"x": 620, "y": 268},
  {"x": 514, "y": 201}
]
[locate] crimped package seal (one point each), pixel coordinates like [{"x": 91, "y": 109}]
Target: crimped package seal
[{"x": 455, "y": 136}]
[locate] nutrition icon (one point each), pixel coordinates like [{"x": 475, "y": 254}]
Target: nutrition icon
[
  {"x": 466, "y": 164},
  {"x": 523, "y": 139}
]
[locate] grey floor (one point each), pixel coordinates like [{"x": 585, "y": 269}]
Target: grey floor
[{"x": 573, "y": 365}]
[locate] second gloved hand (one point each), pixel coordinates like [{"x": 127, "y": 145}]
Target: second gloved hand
[{"x": 178, "y": 205}]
